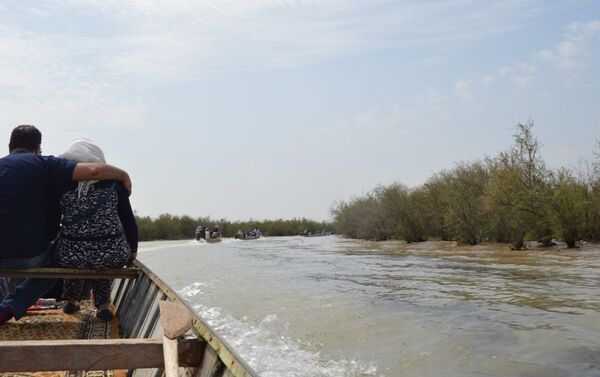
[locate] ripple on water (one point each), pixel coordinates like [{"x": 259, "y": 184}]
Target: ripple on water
[{"x": 336, "y": 307}]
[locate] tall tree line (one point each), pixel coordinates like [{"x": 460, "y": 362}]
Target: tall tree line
[
  {"x": 511, "y": 198},
  {"x": 170, "y": 227}
]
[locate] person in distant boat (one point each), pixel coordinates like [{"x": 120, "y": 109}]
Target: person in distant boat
[
  {"x": 239, "y": 234},
  {"x": 26, "y": 201},
  {"x": 216, "y": 232},
  {"x": 98, "y": 230},
  {"x": 200, "y": 233}
]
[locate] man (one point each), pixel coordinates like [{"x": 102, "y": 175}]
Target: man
[{"x": 27, "y": 183}]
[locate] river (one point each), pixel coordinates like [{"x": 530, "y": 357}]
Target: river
[{"x": 328, "y": 306}]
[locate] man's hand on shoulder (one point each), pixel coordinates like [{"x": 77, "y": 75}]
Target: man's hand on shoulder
[
  {"x": 128, "y": 185},
  {"x": 96, "y": 171}
]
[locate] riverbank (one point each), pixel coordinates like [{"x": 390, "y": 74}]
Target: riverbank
[{"x": 452, "y": 246}]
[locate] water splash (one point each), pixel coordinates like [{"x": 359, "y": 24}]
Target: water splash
[
  {"x": 268, "y": 347},
  {"x": 192, "y": 290}
]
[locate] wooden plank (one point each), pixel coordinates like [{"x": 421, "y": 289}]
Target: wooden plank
[
  {"x": 146, "y": 305},
  {"x": 211, "y": 364},
  {"x": 154, "y": 318},
  {"x": 128, "y": 307},
  {"x": 158, "y": 372},
  {"x": 135, "y": 314},
  {"x": 175, "y": 319},
  {"x": 124, "y": 304},
  {"x": 76, "y": 273},
  {"x": 120, "y": 300},
  {"x": 116, "y": 293},
  {"x": 170, "y": 357},
  {"x": 93, "y": 354}
]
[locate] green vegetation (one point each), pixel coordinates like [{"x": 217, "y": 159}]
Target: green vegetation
[
  {"x": 510, "y": 198},
  {"x": 169, "y": 227}
]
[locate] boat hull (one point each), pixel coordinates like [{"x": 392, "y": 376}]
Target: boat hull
[
  {"x": 249, "y": 238},
  {"x": 214, "y": 240},
  {"x": 136, "y": 295}
]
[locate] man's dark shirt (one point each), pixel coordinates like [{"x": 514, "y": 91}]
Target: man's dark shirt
[{"x": 27, "y": 184}]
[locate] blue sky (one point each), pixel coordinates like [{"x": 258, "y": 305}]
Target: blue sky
[{"x": 276, "y": 109}]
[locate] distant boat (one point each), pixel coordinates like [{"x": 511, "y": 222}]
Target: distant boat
[
  {"x": 318, "y": 234},
  {"x": 253, "y": 235},
  {"x": 203, "y": 232},
  {"x": 249, "y": 238},
  {"x": 214, "y": 239}
]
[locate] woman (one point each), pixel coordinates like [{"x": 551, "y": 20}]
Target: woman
[{"x": 98, "y": 230}]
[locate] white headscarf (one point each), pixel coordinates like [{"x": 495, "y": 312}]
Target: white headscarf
[{"x": 83, "y": 150}]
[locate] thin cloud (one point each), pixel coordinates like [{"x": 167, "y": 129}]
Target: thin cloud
[
  {"x": 165, "y": 41},
  {"x": 78, "y": 55},
  {"x": 462, "y": 90},
  {"x": 40, "y": 84},
  {"x": 437, "y": 105},
  {"x": 580, "y": 40},
  {"x": 520, "y": 75}
]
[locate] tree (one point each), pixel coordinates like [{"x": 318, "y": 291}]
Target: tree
[
  {"x": 569, "y": 207},
  {"x": 505, "y": 199},
  {"x": 434, "y": 207},
  {"x": 401, "y": 216},
  {"x": 534, "y": 175},
  {"x": 464, "y": 202},
  {"x": 517, "y": 196},
  {"x": 594, "y": 202},
  {"x": 360, "y": 218}
]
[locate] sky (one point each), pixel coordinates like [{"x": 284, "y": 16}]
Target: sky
[{"x": 270, "y": 109}]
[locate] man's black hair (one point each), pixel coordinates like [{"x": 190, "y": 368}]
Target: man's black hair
[{"x": 25, "y": 137}]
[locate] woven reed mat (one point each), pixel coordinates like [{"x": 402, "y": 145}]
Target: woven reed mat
[{"x": 54, "y": 324}]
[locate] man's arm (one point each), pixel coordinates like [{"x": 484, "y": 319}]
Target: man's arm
[{"x": 97, "y": 171}]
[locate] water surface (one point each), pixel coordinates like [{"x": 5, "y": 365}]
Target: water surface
[{"x": 327, "y": 306}]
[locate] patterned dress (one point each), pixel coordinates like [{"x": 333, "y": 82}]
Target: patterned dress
[{"x": 92, "y": 236}]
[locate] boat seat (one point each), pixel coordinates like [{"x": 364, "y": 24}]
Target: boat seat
[
  {"x": 77, "y": 273},
  {"x": 93, "y": 354}
]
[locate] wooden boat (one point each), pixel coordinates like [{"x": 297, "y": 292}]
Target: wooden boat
[
  {"x": 143, "y": 339},
  {"x": 247, "y": 238},
  {"x": 321, "y": 234},
  {"x": 214, "y": 240}
]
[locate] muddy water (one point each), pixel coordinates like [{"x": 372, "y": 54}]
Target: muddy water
[{"x": 327, "y": 306}]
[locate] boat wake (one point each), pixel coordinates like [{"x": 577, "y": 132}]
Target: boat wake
[
  {"x": 267, "y": 346},
  {"x": 161, "y": 245}
]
